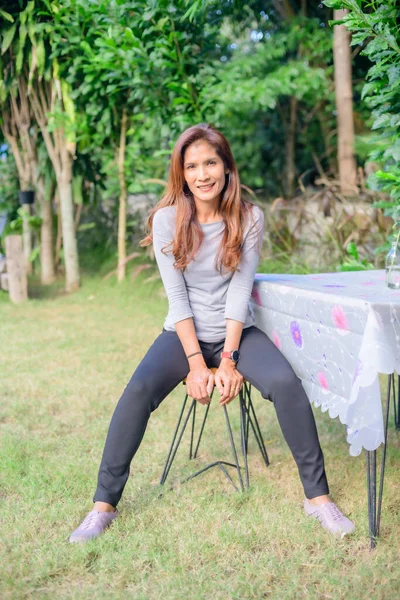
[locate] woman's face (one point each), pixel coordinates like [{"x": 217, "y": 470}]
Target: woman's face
[{"x": 204, "y": 171}]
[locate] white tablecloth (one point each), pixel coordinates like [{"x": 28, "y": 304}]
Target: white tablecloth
[{"x": 338, "y": 331}]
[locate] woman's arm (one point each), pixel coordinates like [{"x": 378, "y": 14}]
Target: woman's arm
[
  {"x": 241, "y": 284},
  {"x": 228, "y": 380},
  {"x": 174, "y": 283},
  {"x": 200, "y": 380}
]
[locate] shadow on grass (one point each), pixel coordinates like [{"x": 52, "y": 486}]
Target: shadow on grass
[{"x": 37, "y": 291}]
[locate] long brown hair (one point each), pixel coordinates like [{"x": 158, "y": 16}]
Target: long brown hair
[{"x": 233, "y": 208}]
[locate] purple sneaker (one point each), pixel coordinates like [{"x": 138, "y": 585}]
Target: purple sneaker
[
  {"x": 330, "y": 518},
  {"x": 93, "y": 525}
]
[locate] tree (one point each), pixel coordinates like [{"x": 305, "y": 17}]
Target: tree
[
  {"x": 129, "y": 63},
  {"x": 104, "y": 63},
  {"x": 344, "y": 107},
  {"x": 45, "y": 96},
  {"x": 375, "y": 30},
  {"x": 273, "y": 81},
  {"x": 55, "y": 114},
  {"x": 21, "y": 133},
  {"x": 16, "y": 126}
]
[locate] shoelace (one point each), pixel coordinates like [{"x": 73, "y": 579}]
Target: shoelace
[
  {"x": 334, "y": 512},
  {"x": 87, "y": 522}
]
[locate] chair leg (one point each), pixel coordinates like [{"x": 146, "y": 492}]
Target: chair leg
[
  {"x": 174, "y": 447},
  {"x": 238, "y": 468},
  {"x": 396, "y": 402},
  {"x": 252, "y": 418},
  {"x": 243, "y": 430},
  {"x": 220, "y": 464},
  {"x": 247, "y": 423},
  {"x": 202, "y": 428},
  {"x": 192, "y": 432},
  {"x": 248, "y": 419}
]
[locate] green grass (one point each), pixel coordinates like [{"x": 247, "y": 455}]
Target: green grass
[{"x": 64, "y": 362}]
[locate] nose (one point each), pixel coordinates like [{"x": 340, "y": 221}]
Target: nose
[{"x": 202, "y": 173}]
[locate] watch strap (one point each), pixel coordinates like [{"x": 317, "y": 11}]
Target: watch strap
[{"x": 233, "y": 355}]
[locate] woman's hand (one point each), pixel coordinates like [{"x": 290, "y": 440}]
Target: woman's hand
[
  {"x": 200, "y": 383},
  {"x": 228, "y": 381}
]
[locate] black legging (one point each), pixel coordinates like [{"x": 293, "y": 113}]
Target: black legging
[{"x": 165, "y": 366}]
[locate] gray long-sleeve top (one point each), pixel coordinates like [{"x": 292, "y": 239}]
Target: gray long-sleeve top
[{"x": 201, "y": 291}]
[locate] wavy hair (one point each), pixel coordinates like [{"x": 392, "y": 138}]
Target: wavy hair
[{"x": 233, "y": 208}]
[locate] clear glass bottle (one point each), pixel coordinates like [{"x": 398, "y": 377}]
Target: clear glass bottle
[{"x": 393, "y": 266}]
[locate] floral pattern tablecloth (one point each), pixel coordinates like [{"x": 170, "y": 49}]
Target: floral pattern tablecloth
[{"x": 338, "y": 331}]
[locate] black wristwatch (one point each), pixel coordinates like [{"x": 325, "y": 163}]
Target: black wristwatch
[{"x": 233, "y": 355}]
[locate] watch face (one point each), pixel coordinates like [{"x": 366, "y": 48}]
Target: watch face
[{"x": 235, "y": 355}]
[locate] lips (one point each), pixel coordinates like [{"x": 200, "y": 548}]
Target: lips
[{"x": 205, "y": 188}]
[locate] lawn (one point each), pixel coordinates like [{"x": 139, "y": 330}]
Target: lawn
[{"x": 64, "y": 362}]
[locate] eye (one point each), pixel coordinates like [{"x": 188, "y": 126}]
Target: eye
[
  {"x": 190, "y": 166},
  {"x": 212, "y": 162}
]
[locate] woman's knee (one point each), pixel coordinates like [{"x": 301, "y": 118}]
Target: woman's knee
[
  {"x": 283, "y": 385},
  {"x": 138, "y": 392}
]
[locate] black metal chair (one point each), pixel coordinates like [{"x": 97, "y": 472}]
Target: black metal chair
[{"x": 248, "y": 419}]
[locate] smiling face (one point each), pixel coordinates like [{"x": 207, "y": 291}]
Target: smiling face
[{"x": 204, "y": 173}]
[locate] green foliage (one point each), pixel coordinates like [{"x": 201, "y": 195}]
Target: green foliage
[
  {"x": 233, "y": 64},
  {"x": 9, "y": 187},
  {"x": 169, "y": 65},
  {"x": 374, "y": 24},
  {"x": 353, "y": 262},
  {"x": 6, "y": 16},
  {"x": 262, "y": 74},
  {"x": 16, "y": 225}
]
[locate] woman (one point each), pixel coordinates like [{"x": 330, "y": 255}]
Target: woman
[{"x": 207, "y": 243}]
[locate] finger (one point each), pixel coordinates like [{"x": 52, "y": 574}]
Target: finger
[
  {"x": 205, "y": 398},
  {"x": 210, "y": 384},
  {"x": 194, "y": 391},
  {"x": 203, "y": 389},
  {"x": 227, "y": 401},
  {"x": 231, "y": 397},
  {"x": 202, "y": 401},
  {"x": 226, "y": 392},
  {"x": 232, "y": 392},
  {"x": 201, "y": 394},
  {"x": 238, "y": 388},
  {"x": 219, "y": 384},
  {"x": 199, "y": 398}
]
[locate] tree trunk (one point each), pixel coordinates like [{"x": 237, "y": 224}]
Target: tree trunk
[
  {"x": 61, "y": 150},
  {"x": 24, "y": 178},
  {"x": 27, "y": 237},
  {"x": 290, "y": 169},
  {"x": 122, "y": 199},
  {"x": 64, "y": 182},
  {"x": 16, "y": 271},
  {"x": 47, "y": 267},
  {"x": 59, "y": 231},
  {"x": 327, "y": 134},
  {"x": 344, "y": 107}
]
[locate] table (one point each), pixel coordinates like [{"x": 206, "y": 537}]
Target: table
[{"x": 339, "y": 331}]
